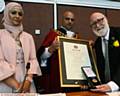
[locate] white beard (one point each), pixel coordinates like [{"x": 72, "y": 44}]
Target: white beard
[{"x": 101, "y": 31}]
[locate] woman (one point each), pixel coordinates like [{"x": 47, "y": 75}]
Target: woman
[{"x": 16, "y": 50}]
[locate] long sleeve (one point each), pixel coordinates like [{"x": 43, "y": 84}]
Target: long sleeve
[
  {"x": 42, "y": 53},
  {"x": 6, "y": 69},
  {"x": 34, "y": 67},
  {"x": 44, "y": 57}
]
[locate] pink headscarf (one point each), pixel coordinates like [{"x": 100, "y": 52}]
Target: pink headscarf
[{"x": 7, "y": 22}]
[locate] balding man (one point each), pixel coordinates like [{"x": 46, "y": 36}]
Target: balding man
[
  {"x": 48, "y": 54},
  {"x": 107, "y": 48}
]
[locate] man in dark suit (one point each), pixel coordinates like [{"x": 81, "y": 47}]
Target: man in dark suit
[{"x": 108, "y": 66}]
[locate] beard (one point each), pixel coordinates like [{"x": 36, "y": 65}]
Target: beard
[{"x": 102, "y": 31}]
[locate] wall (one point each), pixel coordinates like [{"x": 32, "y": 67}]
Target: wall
[
  {"x": 41, "y": 16},
  {"x": 37, "y": 16}
]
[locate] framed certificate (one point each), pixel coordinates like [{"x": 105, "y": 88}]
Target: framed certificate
[{"x": 73, "y": 55}]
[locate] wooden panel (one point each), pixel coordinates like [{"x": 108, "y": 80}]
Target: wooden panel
[
  {"x": 82, "y": 15},
  {"x": 86, "y": 93},
  {"x": 1, "y": 16},
  {"x": 37, "y": 16},
  {"x": 113, "y": 17},
  {"x": 40, "y": 16}
]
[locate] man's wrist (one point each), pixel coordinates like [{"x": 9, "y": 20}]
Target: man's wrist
[{"x": 51, "y": 49}]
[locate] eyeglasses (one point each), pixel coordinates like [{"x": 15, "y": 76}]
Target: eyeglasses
[
  {"x": 98, "y": 21},
  {"x": 16, "y": 12},
  {"x": 72, "y": 19}
]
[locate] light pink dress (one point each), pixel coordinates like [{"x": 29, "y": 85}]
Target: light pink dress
[{"x": 11, "y": 63}]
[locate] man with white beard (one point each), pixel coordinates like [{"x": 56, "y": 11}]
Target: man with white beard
[{"x": 108, "y": 65}]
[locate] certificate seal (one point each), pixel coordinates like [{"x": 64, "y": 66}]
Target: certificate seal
[{"x": 94, "y": 80}]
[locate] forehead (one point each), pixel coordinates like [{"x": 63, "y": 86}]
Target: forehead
[
  {"x": 69, "y": 14},
  {"x": 16, "y": 8},
  {"x": 96, "y": 16}
]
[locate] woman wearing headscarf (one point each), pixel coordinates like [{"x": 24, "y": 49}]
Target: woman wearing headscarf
[{"x": 17, "y": 48}]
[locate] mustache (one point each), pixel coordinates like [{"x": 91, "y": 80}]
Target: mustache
[{"x": 98, "y": 29}]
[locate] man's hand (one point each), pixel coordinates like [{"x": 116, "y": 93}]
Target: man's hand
[
  {"x": 55, "y": 45},
  {"x": 102, "y": 88},
  {"x": 91, "y": 42}
]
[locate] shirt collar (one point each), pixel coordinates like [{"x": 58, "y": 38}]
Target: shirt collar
[
  {"x": 65, "y": 28},
  {"x": 107, "y": 35}
]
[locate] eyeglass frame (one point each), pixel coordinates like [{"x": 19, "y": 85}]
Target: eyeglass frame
[{"x": 98, "y": 21}]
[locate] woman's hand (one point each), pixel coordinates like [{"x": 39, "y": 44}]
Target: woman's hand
[
  {"x": 12, "y": 82},
  {"x": 26, "y": 86}
]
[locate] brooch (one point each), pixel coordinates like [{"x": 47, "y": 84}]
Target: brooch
[{"x": 116, "y": 43}]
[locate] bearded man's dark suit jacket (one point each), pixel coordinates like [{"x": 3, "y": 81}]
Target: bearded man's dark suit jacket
[{"x": 114, "y": 56}]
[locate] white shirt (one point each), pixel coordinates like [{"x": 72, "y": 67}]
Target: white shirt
[
  {"x": 103, "y": 44},
  {"x": 47, "y": 54}
]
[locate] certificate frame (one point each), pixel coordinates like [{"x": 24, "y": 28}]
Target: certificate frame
[{"x": 74, "y": 78}]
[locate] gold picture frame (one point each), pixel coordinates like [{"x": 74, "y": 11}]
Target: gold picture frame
[{"x": 71, "y": 53}]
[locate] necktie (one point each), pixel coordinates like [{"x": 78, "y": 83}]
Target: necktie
[{"x": 107, "y": 68}]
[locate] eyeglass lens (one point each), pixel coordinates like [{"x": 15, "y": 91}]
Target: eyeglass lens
[{"x": 97, "y": 21}]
